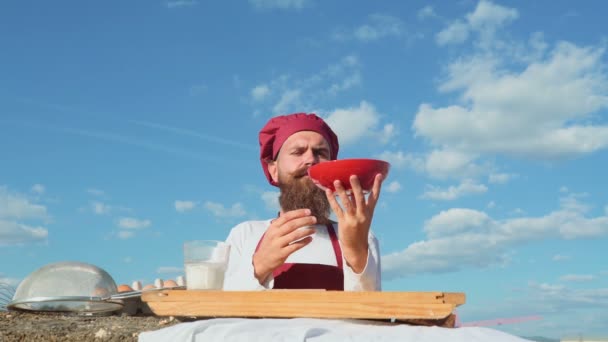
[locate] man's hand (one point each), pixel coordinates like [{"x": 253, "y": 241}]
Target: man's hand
[
  {"x": 278, "y": 242},
  {"x": 354, "y": 219}
]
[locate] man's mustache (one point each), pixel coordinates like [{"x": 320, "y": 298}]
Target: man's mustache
[{"x": 300, "y": 173}]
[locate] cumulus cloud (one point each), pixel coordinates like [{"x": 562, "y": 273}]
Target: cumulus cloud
[
  {"x": 181, "y": 3},
  {"x": 560, "y": 257},
  {"x": 501, "y": 110},
  {"x": 355, "y": 123},
  {"x": 183, "y": 206},
  {"x": 460, "y": 238},
  {"x": 15, "y": 233},
  {"x": 280, "y": 4},
  {"x": 466, "y": 187},
  {"x": 38, "y": 189},
  {"x": 456, "y": 32},
  {"x": 133, "y": 223},
  {"x": 401, "y": 160},
  {"x": 14, "y": 209},
  {"x": 125, "y": 234},
  {"x": 484, "y": 20},
  {"x": 95, "y": 192},
  {"x": 426, "y": 12},
  {"x": 559, "y": 298},
  {"x": 288, "y": 93},
  {"x": 12, "y": 282},
  {"x": 577, "y": 277},
  {"x": 100, "y": 208},
  {"x": 388, "y": 133},
  {"x": 219, "y": 210},
  {"x": 500, "y": 178},
  {"x": 271, "y": 200},
  {"x": 290, "y": 98},
  {"x": 18, "y": 206},
  {"x": 378, "y": 26},
  {"x": 393, "y": 187},
  {"x": 260, "y": 92}
]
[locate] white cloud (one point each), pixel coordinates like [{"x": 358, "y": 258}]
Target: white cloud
[
  {"x": 500, "y": 178},
  {"x": 271, "y": 200},
  {"x": 346, "y": 83},
  {"x": 457, "y": 221},
  {"x": 457, "y": 32},
  {"x": 17, "y": 206},
  {"x": 444, "y": 163},
  {"x": 133, "y": 223},
  {"x": 393, "y": 187},
  {"x": 289, "y": 93},
  {"x": 402, "y": 160},
  {"x": 289, "y": 99},
  {"x": 12, "y": 282},
  {"x": 15, "y": 233},
  {"x": 38, "y": 189},
  {"x": 183, "y": 206},
  {"x": 379, "y": 26},
  {"x": 100, "y": 208},
  {"x": 389, "y": 131},
  {"x": 219, "y": 210},
  {"x": 279, "y": 4},
  {"x": 125, "y": 234},
  {"x": 484, "y": 20},
  {"x": 181, "y": 3},
  {"x": 352, "y": 124},
  {"x": 169, "y": 269},
  {"x": 95, "y": 192},
  {"x": 260, "y": 92},
  {"x": 559, "y": 298},
  {"x": 491, "y": 204},
  {"x": 460, "y": 238},
  {"x": 466, "y": 187},
  {"x": 488, "y": 16},
  {"x": 560, "y": 257},
  {"x": 505, "y": 114},
  {"x": 427, "y": 12},
  {"x": 577, "y": 277}
]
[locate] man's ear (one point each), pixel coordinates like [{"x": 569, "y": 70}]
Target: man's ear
[{"x": 273, "y": 170}]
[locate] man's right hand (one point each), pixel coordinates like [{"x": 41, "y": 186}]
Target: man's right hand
[{"x": 278, "y": 242}]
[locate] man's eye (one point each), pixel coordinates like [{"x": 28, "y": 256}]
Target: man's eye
[{"x": 323, "y": 154}]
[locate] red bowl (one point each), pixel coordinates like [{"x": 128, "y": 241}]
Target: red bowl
[{"x": 324, "y": 174}]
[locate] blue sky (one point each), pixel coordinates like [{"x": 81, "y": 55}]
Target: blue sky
[{"x": 128, "y": 128}]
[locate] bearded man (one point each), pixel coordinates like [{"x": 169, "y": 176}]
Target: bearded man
[{"x": 302, "y": 248}]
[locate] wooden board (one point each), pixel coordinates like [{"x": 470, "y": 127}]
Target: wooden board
[{"x": 304, "y": 303}]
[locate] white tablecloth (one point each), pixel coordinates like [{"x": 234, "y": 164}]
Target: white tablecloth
[{"x": 317, "y": 330}]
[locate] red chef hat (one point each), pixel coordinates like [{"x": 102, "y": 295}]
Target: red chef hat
[{"x": 279, "y": 128}]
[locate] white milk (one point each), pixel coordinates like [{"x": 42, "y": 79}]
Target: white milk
[{"x": 205, "y": 275}]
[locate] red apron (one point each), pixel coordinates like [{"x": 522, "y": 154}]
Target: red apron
[{"x": 311, "y": 276}]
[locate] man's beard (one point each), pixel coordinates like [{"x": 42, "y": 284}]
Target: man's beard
[{"x": 299, "y": 192}]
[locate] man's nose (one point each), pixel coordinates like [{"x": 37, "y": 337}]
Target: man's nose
[{"x": 311, "y": 158}]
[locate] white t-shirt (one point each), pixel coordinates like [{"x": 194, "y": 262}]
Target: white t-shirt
[{"x": 244, "y": 238}]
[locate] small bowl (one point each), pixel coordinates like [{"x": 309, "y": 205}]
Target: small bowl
[{"x": 324, "y": 174}]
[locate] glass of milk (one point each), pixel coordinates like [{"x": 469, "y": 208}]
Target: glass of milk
[{"x": 205, "y": 263}]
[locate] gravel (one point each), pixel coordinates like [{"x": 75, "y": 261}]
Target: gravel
[{"x": 26, "y": 326}]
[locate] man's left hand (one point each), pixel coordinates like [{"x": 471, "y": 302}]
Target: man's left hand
[{"x": 354, "y": 219}]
